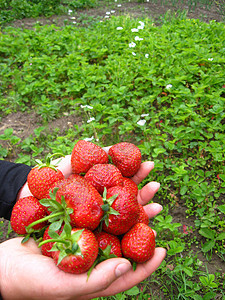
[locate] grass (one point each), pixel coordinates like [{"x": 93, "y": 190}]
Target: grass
[{"x": 161, "y": 87}]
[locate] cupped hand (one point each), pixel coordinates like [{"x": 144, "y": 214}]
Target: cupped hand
[{"x": 26, "y": 274}]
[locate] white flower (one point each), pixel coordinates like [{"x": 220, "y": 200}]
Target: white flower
[
  {"x": 141, "y": 23},
  {"x": 106, "y": 17},
  {"x": 113, "y": 11},
  {"x": 119, "y": 5},
  {"x": 144, "y": 115},
  {"x": 86, "y": 106},
  {"x": 108, "y": 13},
  {"x": 119, "y": 28},
  {"x": 134, "y": 30},
  {"x": 69, "y": 11},
  {"x": 72, "y": 18},
  {"x": 132, "y": 45},
  {"x": 134, "y": 54},
  {"x": 140, "y": 27},
  {"x": 89, "y": 139},
  {"x": 147, "y": 55},
  {"x": 74, "y": 22},
  {"x": 90, "y": 120},
  {"x": 211, "y": 59},
  {"x": 169, "y": 86},
  {"x": 137, "y": 38},
  {"x": 141, "y": 122}
]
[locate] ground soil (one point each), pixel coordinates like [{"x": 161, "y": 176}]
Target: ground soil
[
  {"x": 25, "y": 123},
  {"x": 152, "y": 9}
]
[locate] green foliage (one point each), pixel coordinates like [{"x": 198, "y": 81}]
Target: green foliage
[
  {"x": 19, "y": 9},
  {"x": 165, "y": 93}
]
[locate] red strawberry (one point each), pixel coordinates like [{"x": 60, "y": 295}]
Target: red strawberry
[
  {"x": 45, "y": 249},
  {"x": 26, "y": 211},
  {"x": 138, "y": 243},
  {"x": 42, "y": 177},
  {"x": 104, "y": 175},
  {"x": 127, "y": 158},
  {"x": 105, "y": 240},
  {"x": 131, "y": 185},
  {"x": 127, "y": 211},
  {"x": 143, "y": 217},
  {"x": 85, "y": 155},
  {"x": 81, "y": 253},
  {"x": 85, "y": 201}
]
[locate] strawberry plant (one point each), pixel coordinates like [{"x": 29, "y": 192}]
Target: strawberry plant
[{"x": 161, "y": 87}]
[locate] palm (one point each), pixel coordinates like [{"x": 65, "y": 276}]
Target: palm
[{"x": 34, "y": 276}]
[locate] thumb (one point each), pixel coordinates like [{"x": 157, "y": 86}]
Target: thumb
[{"x": 105, "y": 273}]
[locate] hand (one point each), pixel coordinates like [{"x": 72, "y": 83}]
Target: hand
[{"x": 26, "y": 274}]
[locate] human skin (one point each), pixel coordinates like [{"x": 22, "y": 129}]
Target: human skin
[{"x": 26, "y": 274}]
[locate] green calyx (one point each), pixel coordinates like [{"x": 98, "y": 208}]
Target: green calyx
[
  {"x": 66, "y": 242},
  {"x": 48, "y": 162},
  {"x": 107, "y": 208},
  {"x": 60, "y": 214}
]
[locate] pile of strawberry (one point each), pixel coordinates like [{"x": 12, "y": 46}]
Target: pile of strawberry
[{"x": 90, "y": 216}]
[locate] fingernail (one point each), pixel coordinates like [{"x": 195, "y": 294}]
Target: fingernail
[
  {"x": 151, "y": 163},
  {"x": 122, "y": 269},
  {"x": 154, "y": 186}
]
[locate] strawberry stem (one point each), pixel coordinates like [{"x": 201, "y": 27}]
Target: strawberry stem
[
  {"x": 43, "y": 220},
  {"x": 53, "y": 241}
]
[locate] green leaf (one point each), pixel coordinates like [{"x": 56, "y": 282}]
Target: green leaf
[
  {"x": 207, "y": 233},
  {"x": 76, "y": 235},
  {"x": 112, "y": 211},
  {"x": 222, "y": 208},
  {"x": 62, "y": 254},
  {"x": 56, "y": 225},
  {"x": 208, "y": 246},
  {"x": 25, "y": 239},
  {"x": 183, "y": 190},
  {"x": 209, "y": 296},
  {"x": 53, "y": 234},
  {"x": 188, "y": 271},
  {"x": 221, "y": 236},
  {"x": 133, "y": 291}
]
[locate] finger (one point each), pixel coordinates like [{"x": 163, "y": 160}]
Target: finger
[
  {"x": 132, "y": 278},
  {"x": 148, "y": 192},
  {"x": 106, "y": 149},
  {"x": 153, "y": 209},
  {"x": 64, "y": 165},
  {"x": 102, "y": 276},
  {"x": 143, "y": 171}
]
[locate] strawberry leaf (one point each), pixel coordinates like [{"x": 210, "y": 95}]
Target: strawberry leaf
[
  {"x": 54, "y": 235},
  {"x": 62, "y": 255},
  {"x": 56, "y": 225}
]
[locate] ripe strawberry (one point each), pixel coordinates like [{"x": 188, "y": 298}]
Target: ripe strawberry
[
  {"x": 143, "y": 217},
  {"x": 42, "y": 177},
  {"x": 127, "y": 158},
  {"x": 131, "y": 185},
  {"x": 105, "y": 240},
  {"x": 78, "y": 254},
  {"x": 127, "y": 211},
  {"x": 85, "y": 201},
  {"x": 138, "y": 243},
  {"x": 104, "y": 175},
  {"x": 26, "y": 211},
  {"x": 45, "y": 249},
  {"x": 85, "y": 155}
]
